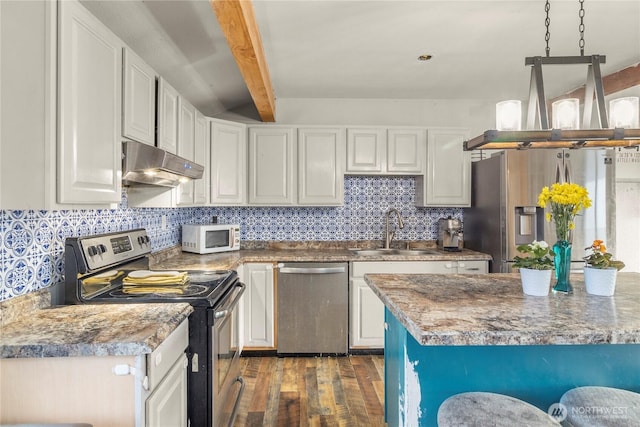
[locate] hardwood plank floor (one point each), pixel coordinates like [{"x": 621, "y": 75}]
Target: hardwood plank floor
[{"x": 312, "y": 391}]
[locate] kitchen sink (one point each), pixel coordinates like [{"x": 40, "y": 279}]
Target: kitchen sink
[{"x": 403, "y": 252}]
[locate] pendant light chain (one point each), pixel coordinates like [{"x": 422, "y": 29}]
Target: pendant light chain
[
  {"x": 581, "y": 27},
  {"x": 547, "y": 21}
]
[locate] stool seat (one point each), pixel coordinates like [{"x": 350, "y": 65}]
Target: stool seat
[
  {"x": 490, "y": 409},
  {"x": 602, "y": 406}
]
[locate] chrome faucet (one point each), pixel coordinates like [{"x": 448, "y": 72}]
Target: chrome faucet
[{"x": 389, "y": 234}]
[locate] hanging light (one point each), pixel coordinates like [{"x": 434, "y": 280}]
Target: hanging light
[
  {"x": 509, "y": 115},
  {"x": 625, "y": 112},
  {"x": 565, "y": 113},
  {"x": 565, "y": 134}
]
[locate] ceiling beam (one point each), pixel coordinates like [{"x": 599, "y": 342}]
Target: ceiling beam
[
  {"x": 238, "y": 23},
  {"x": 611, "y": 83}
]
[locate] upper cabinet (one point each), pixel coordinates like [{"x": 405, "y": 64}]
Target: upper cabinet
[
  {"x": 447, "y": 181},
  {"x": 139, "y": 99},
  {"x": 272, "y": 167},
  {"x": 168, "y": 102},
  {"x": 382, "y": 151},
  {"x": 201, "y": 156},
  {"x": 296, "y": 167},
  {"x": 186, "y": 148},
  {"x": 89, "y": 91},
  {"x": 228, "y": 163},
  {"x": 321, "y": 163}
]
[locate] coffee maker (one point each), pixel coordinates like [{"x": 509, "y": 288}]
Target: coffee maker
[{"x": 450, "y": 234}]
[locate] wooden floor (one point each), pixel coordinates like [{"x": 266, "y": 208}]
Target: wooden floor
[{"x": 312, "y": 391}]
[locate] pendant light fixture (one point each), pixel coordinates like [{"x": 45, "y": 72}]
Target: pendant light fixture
[{"x": 566, "y": 131}]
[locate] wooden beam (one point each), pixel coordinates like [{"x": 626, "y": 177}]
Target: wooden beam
[
  {"x": 238, "y": 23},
  {"x": 612, "y": 83}
]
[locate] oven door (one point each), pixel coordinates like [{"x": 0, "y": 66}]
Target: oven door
[{"x": 227, "y": 384}]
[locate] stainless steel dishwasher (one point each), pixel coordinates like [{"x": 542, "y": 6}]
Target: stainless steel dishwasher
[{"x": 313, "y": 301}]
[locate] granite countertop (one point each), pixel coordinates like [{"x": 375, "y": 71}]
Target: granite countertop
[
  {"x": 86, "y": 330},
  {"x": 491, "y": 309},
  {"x": 232, "y": 260}
]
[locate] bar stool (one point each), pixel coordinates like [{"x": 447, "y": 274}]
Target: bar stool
[
  {"x": 490, "y": 409},
  {"x": 602, "y": 406}
]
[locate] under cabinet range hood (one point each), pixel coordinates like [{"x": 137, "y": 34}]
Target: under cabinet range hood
[{"x": 144, "y": 164}]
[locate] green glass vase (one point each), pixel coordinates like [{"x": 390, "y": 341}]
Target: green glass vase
[{"x": 562, "y": 264}]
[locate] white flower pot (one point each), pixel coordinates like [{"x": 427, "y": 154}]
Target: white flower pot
[
  {"x": 600, "y": 281},
  {"x": 535, "y": 282}
]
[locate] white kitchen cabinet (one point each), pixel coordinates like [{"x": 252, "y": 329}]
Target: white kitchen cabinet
[
  {"x": 186, "y": 148},
  {"x": 406, "y": 151},
  {"x": 366, "y": 311},
  {"x": 167, "y": 406},
  {"x": 228, "y": 163},
  {"x": 366, "y": 150},
  {"x": 147, "y": 390},
  {"x": 382, "y": 151},
  {"x": 201, "y": 156},
  {"x": 258, "y": 306},
  {"x": 447, "y": 181},
  {"x": 272, "y": 166},
  {"x": 90, "y": 108},
  {"x": 321, "y": 163},
  {"x": 168, "y": 105},
  {"x": 139, "y": 99}
]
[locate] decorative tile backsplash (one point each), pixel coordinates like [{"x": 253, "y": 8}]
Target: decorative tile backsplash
[{"x": 31, "y": 253}]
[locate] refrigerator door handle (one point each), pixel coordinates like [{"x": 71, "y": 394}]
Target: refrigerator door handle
[{"x": 563, "y": 170}]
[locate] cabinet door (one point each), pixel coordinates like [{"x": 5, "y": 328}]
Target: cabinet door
[
  {"x": 321, "y": 159},
  {"x": 139, "y": 102},
  {"x": 168, "y": 99},
  {"x": 186, "y": 147},
  {"x": 448, "y": 178},
  {"x": 167, "y": 406},
  {"x": 366, "y": 150},
  {"x": 228, "y": 163},
  {"x": 272, "y": 168},
  {"x": 258, "y": 306},
  {"x": 406, "y": 150},
  {"x": 90, "y": 105},
  {"x": 367, "y": 316},
  {"x": 201, "y": 156}
]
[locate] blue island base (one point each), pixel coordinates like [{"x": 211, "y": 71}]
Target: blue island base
[{"x": 419, "y": 378}]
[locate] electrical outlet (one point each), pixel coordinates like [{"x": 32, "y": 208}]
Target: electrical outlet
[{"x": 164, "y": 222}]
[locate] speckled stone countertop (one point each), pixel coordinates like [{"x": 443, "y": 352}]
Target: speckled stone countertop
[
  {"x": 285, "y": 252},
  {"x": 491, "y": 309},
  {"x": 85, "y": 330}
]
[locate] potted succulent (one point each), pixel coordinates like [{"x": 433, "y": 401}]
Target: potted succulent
[
  {"x": 601, "y": 270},
  {"x": 535, "y": 268}
]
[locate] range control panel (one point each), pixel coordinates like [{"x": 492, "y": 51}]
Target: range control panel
[{"x": 113, "y": 248}]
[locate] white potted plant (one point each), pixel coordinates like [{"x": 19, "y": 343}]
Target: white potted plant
[
  {"x": 601, "y": 270},
  {"x": 535, "y": 268}
]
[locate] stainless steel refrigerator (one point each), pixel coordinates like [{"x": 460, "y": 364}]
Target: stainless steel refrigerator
[{"x": 505, "y": 189}]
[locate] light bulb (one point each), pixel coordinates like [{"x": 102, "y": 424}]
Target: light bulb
[
  {"x": 566, "y": 113},
  {"x": 624, "y": 113}
]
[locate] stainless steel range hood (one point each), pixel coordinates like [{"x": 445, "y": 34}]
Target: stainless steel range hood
[{"x": 144, "y": 164}]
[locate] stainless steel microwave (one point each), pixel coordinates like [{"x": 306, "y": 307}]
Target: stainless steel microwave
[{"x": 210, "y": 238}]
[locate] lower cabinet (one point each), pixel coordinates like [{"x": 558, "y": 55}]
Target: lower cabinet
[
  {"x": 258, "y": 307},
  {"x": 366, "y": 328},
  {"x": 148, "y": 390}
]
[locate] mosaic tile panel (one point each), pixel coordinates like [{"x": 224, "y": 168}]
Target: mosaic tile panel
[{"x": 32, "y": 242}]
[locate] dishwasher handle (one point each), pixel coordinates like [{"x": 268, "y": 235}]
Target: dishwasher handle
[{"x": 311, "y": 270}]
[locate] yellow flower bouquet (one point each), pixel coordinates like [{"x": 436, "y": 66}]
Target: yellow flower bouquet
[{"x": 565, "y": 200}]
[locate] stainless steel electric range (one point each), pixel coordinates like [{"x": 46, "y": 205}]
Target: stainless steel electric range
[{"x": 107, "y": 269}]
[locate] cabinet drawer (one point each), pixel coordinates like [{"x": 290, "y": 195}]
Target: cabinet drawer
[
  {"x": 472, "y": 267},
  {"x": 359, "y": 269},
  {"x": 163, "y": 358}
]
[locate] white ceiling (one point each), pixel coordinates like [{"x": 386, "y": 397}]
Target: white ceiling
[{"x": 369, "y": 49}]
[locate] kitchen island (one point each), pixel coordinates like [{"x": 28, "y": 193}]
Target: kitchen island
[{"x": 447, "y": 334}]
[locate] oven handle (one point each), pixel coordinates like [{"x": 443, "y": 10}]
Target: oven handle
[
  {"x": 227, "y": 307},
  {"x": 237, "y": 404}
]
